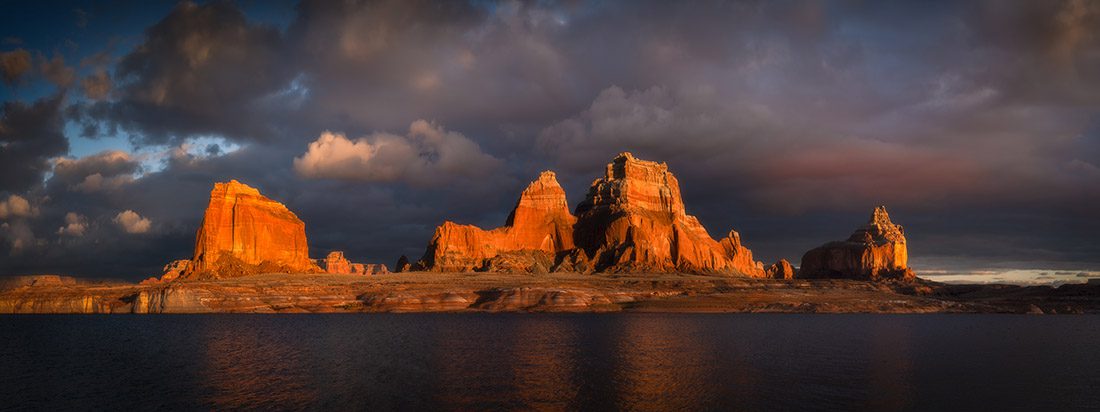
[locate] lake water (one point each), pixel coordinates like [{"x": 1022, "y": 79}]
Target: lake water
[{"x": 551, "y": 362}]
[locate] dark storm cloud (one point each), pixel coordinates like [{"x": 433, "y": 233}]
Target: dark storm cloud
[
  {"x": 29, "y": 136},
  {"x": 977, "y": 123},
  {"x": 203, "y": 69},
  {"x": 96, "y": 86},
  {"x": 13, "y": 64},
  {"x": 56, "y": 71}
]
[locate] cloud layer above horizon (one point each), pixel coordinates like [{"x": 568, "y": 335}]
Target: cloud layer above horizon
[{"x": 977, "y": 123}]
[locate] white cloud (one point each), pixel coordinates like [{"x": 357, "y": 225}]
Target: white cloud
[
  {"x": 104, "y": 171},
  {"x": 132, "y": 222},
  {"x": 426, "y": 155},
  {"x": 75, "y": 225},
  {"x": 16, "y": 206}
]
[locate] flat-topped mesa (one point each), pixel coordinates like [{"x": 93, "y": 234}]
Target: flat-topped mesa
[
  {"x": 875, "y": 251},
  {"x": 633, "y": 219},
  {"x": 243, "y": 232},
  {"x": 540, "y": 223}
]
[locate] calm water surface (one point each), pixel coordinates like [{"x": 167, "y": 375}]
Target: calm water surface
[{"x": 551, "y": 362}]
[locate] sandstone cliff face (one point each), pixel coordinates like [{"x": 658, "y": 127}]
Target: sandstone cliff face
[
  {"x": 633, "y": 219},
  {"x": 540, "y": 222},
  {"x": 243, "y": 233},
  {"x": 875, "y": 251}
]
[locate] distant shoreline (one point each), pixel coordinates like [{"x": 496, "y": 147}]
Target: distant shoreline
[{"x": 554, "y": 292}]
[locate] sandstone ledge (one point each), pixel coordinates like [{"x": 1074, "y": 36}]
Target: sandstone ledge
[{"x": 555, "y": 292}]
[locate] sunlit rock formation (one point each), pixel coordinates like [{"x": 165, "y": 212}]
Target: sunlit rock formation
[
  {"x": 369, "y": 269},
  {"x": 781, "y": 269},
  {"x": 540, "y": 225},
  {"x": 633, "y": 219},
  {"x": 875, "y": 251},
  {"x": 335, "y": 262},
  {"x": 172, "y": 271},
  {"x": 243, "y": 232},
  {"x": 175, "y": 269}
]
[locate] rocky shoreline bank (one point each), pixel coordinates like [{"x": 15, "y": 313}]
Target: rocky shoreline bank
[{"x": 555, "y": 292}]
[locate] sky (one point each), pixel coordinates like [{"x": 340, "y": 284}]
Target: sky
[{"x": 977, "y": 123}]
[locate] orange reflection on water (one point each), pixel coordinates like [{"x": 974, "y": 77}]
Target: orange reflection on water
[
  {"x": 247, "y": 367},
  {"x": 659, "y": 364},
  {"x": 543, "y": 363}
]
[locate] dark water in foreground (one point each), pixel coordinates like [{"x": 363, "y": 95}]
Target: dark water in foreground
[{"x": 589, "y": 362}]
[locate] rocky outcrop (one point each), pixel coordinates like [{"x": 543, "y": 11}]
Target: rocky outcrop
[
  {"x": 172, "y": 271},
  {"x": 371, "y": 269},
  {"x": 175, "y": 269},
  {"x": 740, "y": 256},
  {"x": 780, "y": 270},
  {"x": 540, "y": 222},
  {"x": 633, "y": 219},
  {"x": 335, "y": 262},
  {"x": 244, "y": 233},
  {"x": 402, "y": 265},
  {"x": 875, "y": 251}
]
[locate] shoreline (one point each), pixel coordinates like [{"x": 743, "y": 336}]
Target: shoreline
[{"x": 554, "y": 292}]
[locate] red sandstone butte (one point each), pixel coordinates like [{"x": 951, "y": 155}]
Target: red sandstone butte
[
  {"x": 243, "y": 232},
  {"x": 540, "y": 223},
  {"x": 632, "y": 220},
  {"x": 875, "y": 251}
]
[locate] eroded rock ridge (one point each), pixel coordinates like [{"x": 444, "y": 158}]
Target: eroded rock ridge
[{"x": 633, "y": 219}]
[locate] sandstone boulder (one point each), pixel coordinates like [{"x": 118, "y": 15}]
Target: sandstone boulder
[
  {"x": 875, "y": 251},
  {"x": 780, "y": 270},
  {"x": 243, "y": 232},
  {"x": 633, "y": 219},
  {"x": 540, "y": 222}
]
